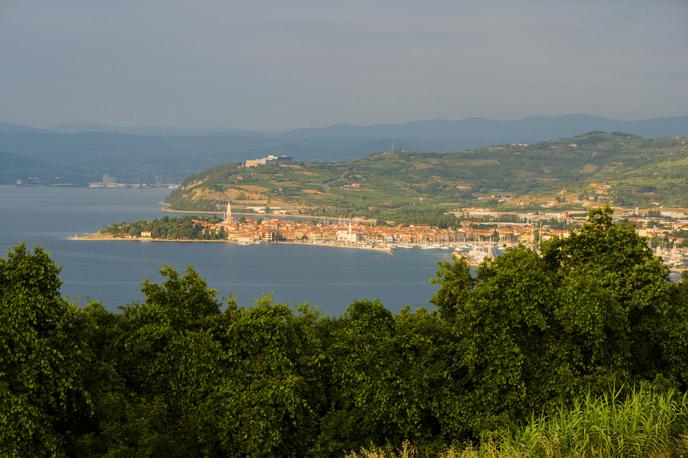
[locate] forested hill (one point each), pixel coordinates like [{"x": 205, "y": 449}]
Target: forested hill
[{"x": 598, "y": 166}]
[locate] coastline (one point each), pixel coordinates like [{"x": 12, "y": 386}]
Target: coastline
[
  {"x": 98, "y": 237},
  {"x": 387, "y": 250}
]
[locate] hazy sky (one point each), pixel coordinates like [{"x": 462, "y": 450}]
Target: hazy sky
[{"x": 282, "y": 64}]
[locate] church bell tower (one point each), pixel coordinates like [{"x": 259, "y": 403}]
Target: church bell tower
[{"x": 228, "y": 214}]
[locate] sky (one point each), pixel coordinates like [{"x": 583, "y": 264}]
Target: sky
[{"x": 305, "y": 63}]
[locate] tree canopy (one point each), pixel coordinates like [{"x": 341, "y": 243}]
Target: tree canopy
[{"x": 183, "y": 373}]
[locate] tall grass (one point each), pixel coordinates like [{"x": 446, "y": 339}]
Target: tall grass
[{"x": 626, "y": 423}]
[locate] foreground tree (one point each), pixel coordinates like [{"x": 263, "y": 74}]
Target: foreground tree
[
  {"x": 591, "y": 310},
  {"x": 166, "y": 361},
  {"x": 182, "y": 374},
  {"x": 272, "y": 393},
  {"x": 392, "y": 379},
  {"x": 42, "y": 398}
]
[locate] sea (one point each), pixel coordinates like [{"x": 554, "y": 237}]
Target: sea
[{"x": 111, "y": 272}]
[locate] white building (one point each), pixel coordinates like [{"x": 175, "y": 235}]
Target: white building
[{"x": 348, "y": 236}]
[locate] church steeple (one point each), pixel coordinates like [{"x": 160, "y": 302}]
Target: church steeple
[{"x": 228, "y": 214}]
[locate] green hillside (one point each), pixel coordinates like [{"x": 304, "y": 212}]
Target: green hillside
[{"x": 573, "y": 172}]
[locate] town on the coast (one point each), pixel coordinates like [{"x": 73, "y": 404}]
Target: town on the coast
[{"x": 481, "y": 233}]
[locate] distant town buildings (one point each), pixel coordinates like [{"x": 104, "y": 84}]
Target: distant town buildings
[
  {"x": 481, "y": 233},
  {"x": 107, "y": 182},
  {"x": 356, "y": 232}
]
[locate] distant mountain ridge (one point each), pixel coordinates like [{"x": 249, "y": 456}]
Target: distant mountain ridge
[
  {"x": 10, "y": 128},
  {"x": 14, "y": 161},
  {"x": 474, "y": 128},
  {"x": 82, "y": 127},
  {"x": 142, "y": 153},
  {"x": 15, "y": 167},
  {"x": 479, "y": 132}
]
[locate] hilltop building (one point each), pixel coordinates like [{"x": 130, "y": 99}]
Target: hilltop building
[{"x": 264, "y": 160}]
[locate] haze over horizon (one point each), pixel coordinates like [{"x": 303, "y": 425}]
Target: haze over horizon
[{"x": 269, "y": 65}]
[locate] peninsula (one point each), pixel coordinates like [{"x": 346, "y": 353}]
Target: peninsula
[
  {"x": 477, "y": 235},
  {"x": 475, "y": 202}
]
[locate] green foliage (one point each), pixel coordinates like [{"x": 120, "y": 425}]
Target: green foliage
[
  {"x": 41, "y": 395},
  {"x": 635, "y": 422},
  {"x": 640, "y": 423},
  {"x": 455, "y": 283},
  {"x": 530, "y": 335},
  {"x": 591, "y": 310},
  {"x": 269, "y": 399},
  {"x": 179, "y": 228}
]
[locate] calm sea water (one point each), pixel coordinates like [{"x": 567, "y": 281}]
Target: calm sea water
[{"x": 111, "y": 271}]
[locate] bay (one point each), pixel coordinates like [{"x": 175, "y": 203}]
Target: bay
[{"x": 111, "y": 271}]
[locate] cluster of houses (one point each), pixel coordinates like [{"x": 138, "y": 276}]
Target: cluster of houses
[
  {"x": 253, "y": 230},
  {"x": 357, "y": 233}
]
